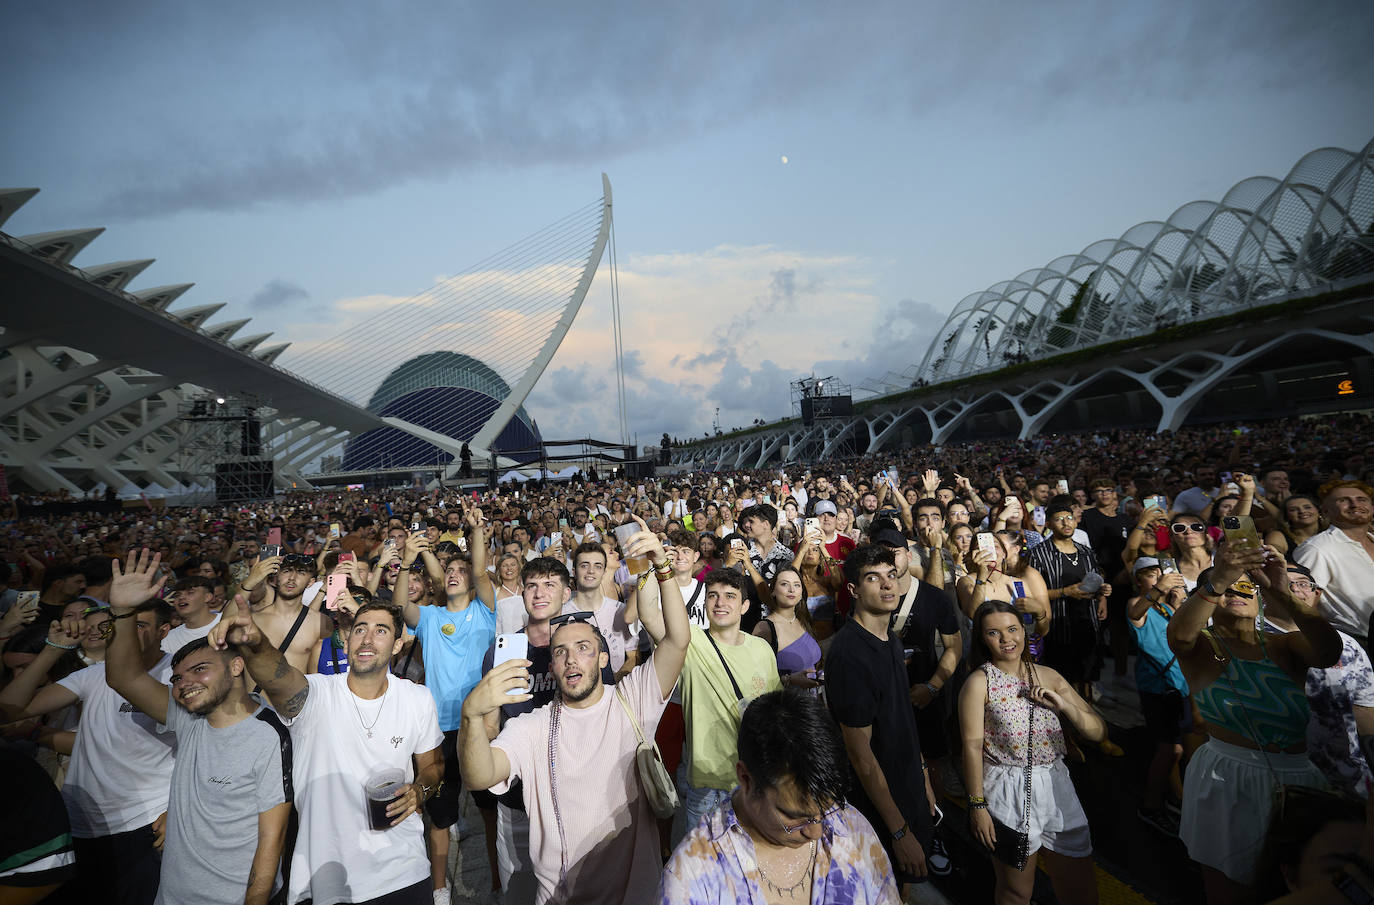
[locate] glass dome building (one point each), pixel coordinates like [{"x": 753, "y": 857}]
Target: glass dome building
[{"x": 445, "y": 392}]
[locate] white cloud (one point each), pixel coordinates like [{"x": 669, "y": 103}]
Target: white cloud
[{"x": 728, "y": 327}]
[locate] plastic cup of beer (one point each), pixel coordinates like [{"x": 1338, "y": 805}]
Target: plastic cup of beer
[
  {"x": 383, "y": 787},
  {"x": 637, "y": 565}
]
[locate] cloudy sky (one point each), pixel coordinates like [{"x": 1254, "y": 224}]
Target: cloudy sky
[{"x": 305, "y": 161}]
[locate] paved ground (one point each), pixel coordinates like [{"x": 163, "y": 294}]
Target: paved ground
[{"x": 1136, "y": 865}]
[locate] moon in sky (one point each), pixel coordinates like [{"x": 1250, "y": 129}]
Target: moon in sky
[{"x": 784, "y": 158}]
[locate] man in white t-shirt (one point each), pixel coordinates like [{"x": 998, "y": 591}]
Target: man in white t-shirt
[
  {"x": 117, "y": 785},
  {"x": 592, "y": 833},
  {"x": 191, "y": 598},
  {"x": 345, "y": 728},
  {"x": 229, "y": 805},
  {"x": 589, "y": 573}
]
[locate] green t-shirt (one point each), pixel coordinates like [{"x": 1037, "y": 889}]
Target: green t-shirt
[{"x": 709, "y": 704}]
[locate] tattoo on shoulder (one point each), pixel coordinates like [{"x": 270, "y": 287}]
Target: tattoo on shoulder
[{"x": 293, "y": 704}]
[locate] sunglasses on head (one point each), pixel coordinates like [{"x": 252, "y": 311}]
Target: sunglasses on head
[
  {"x": 566, "y": 618},
  {"x": 299, "y": 561},
  {"x": 1184, "y": 528}
]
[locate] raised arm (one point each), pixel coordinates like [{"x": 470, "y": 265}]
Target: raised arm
[
  {"x": 415, "y": 543},
  {"x": 284, "y": 685},
  {"x": 133, "y": 584},
  {"x": 1192, "y": 617},
  {"x": 24, "y": 695},
  {"x": 477, "y": 548},
  {"x": 671, "y": 650},
  {"x": 482, "y": 765}
]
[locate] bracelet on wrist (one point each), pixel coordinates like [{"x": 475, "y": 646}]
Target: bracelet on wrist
[
  {"x": 934, "y": 692},
  {"x": 50, "y": 643}
]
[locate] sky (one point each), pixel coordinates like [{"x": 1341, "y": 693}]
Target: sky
[{"x": 303, "y": 161}]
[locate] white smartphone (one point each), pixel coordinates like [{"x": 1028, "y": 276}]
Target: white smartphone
[
  {"x": 512, "y": 646},
  {"x": 987, "y": 543},
  {"x": 555, "y": 539}
]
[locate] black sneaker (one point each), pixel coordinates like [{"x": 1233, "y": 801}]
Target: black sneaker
[
  {"x": 937, "y": 859},
  {"x": 1161, "y": 821}
]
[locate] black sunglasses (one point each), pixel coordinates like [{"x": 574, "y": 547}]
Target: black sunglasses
[
  {"x": 566, "y": 618},
  {"x": 299, "y": 560},
  {"x": 1191, "y": 526}
]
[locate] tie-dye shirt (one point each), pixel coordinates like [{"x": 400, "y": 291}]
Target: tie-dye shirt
[{"x": 715, "y": 863}]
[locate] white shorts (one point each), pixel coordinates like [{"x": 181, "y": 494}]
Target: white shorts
[
  {"x": 1057, "y": 821},
  {"x": 1228, "y": 798}
]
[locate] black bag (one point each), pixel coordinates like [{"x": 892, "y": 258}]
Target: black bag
[{"x": 1012, "y": 847}]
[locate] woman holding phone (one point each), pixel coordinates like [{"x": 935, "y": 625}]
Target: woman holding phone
[
  {"x": 1249, "y": 687},
  {"x": 1011, "y": 714}
]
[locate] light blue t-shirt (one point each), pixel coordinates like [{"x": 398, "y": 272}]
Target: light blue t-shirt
[
  {"x": 1154, "y": 653},
  {"x": 454, "y": 644}
]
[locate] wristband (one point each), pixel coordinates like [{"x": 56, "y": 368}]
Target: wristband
[
  {"x": 49, "y": 643},
  {"x": 977, "y": 802},
  {"x": 901, "y": 831},
  {"x": 934, "y": 692}
]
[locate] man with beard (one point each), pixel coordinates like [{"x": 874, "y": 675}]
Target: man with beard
[
  {"x": 1341, "y": 558},
  {"x": 228, "y": 808},
  {"x": 288, "y": 624},
  {"x": 116, "y": 786},
  {"x": 592, "y": 832},
  {"x": 345, "y": 728}
]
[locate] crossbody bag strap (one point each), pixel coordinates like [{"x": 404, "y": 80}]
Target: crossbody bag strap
[
  {"x": 620, "y": 696},
  {"x": 905, "y": 612},
  {"x": 739, "y": 695},
  {"x": 290, "y": 636}
]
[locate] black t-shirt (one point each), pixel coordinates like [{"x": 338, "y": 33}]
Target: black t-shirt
[
  {"x": 866, "y": 685},
  {"x": 1107, "y": 535},
  {"x": 932, "y": 613}
]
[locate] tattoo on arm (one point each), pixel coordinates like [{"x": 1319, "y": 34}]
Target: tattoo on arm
[
  {"x": 293, "y": 704},
  {"x": 283, "y": 667},
  {"x": 252, "y": 876}
]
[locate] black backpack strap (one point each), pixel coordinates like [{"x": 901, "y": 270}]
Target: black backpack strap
[
  {"x": 286, "y": 642},
  {"x": 739, "y": 695},
  {"x": 269, "y": 716}
]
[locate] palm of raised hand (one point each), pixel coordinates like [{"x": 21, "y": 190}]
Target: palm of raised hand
[{"x": 137, "y": 581}]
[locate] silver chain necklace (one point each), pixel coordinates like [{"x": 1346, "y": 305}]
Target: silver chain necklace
[
  {"x": 380, "y": 708},
  {"x": 789, "y": 891}
]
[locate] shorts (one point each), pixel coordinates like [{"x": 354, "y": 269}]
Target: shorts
[
  {"x": 1057, "y": 821},
  {"x": 1168, "y": 716},
  {"x": 445, "y": 806},
  {"x": 1228, "y": 799}
]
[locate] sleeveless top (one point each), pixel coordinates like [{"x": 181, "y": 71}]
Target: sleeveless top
[
  {"x": 800, "y": 655},
  {"x": 1256, "y": 699},
  {"x": 1010, "y": 718}
]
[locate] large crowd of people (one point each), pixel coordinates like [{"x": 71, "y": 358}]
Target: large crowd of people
[{"x": 774, "y": 685}]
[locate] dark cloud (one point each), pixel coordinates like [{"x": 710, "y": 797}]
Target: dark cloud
[
  {"x": 276, "y": 293},
  {"x": 207, "y": 106},
  {"x": 784, "y": 290}
]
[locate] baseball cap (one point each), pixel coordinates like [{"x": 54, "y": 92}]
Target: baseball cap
[
  {"x": 824, "y": 507},
  {"x": 1144, "y": 562},
  {"x": 889, "y": 538}
]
